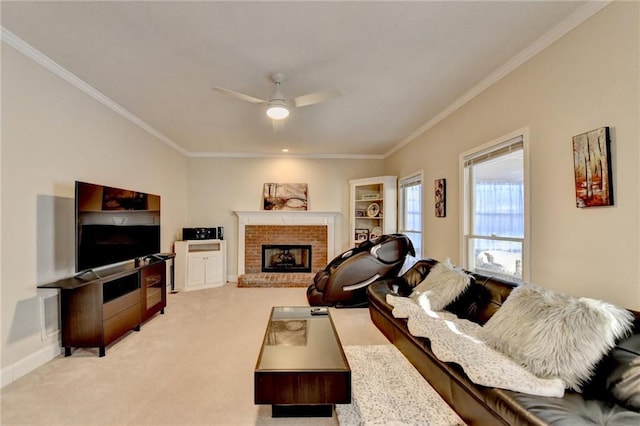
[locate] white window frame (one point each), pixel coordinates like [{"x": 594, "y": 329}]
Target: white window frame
[
  {"x": 417, "y": 176},
  {"x": 464, "y": 198}
]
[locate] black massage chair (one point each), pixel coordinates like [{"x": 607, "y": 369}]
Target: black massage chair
[{"x": 344, "y": 281}]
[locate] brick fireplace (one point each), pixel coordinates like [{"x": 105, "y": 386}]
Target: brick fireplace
[
  {"x": 258, "y": 235},
  {"x": 255, "y": 229}
]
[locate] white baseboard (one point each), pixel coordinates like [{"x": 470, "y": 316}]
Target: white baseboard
[{"x": 29, "y": 363}]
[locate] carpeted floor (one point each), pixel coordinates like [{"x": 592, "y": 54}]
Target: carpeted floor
[
  {"x": 192, "y": 366},
  {"x": 388, "y": 390}
]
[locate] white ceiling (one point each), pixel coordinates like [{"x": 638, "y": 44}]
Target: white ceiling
[{"x": 399, "y": 65}]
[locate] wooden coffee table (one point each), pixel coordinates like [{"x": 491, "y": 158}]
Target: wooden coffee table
[{"x": 301, "y": 370}]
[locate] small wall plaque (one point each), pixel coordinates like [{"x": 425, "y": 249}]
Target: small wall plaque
[{"x": 440, "y": 188}]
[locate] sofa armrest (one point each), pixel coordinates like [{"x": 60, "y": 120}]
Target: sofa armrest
[
  {"x": 384, "y": 287},
  {"x": 404, "y": 284},
  {"x": 377, "y": 293}
]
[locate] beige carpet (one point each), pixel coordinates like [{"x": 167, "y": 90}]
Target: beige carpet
[{"x": 192, "y": 366}]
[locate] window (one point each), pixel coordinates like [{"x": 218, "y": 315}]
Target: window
[
  {"x": 495, "y": 209},
  {"x": 411, "y": 210}
]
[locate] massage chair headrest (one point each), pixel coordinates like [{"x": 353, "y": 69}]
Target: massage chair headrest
[{"x": 391, "y": 248}]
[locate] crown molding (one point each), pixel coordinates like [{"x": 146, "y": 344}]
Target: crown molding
[
  {"x": 572, "y": 21},
  {"x": 287, "y": 155},
  {"x": 57, "y": 69}
]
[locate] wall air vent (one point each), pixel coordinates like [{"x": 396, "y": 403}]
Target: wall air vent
[{"x": 49, "y": 315}]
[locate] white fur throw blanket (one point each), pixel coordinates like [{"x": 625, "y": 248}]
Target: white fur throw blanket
[{"x": 454, "y": 340}]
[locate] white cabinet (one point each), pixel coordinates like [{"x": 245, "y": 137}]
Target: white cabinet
[
  {"x": 200, "y": 264},
  {"x": 373, "y": 207}
]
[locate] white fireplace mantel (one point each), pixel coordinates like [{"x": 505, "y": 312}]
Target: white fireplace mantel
[{"x": 286, "y": 218}]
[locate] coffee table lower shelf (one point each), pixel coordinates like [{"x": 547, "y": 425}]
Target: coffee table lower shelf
[{"x": 320, "y": 410}]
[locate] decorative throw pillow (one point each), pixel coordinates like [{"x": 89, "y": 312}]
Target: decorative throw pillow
[
  {"x": 555, "y": 335},
  {"x": 442, "y": 285}
]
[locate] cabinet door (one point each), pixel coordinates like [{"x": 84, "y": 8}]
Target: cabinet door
[
  {"x": 196, "y": 270},
  {"x": 213, "y": 268},
  {"x": 154, "y": 295},
  {"x": 121, "y": 323}
]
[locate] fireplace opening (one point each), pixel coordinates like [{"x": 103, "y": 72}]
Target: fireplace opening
[{"x": 286, "y": 258}]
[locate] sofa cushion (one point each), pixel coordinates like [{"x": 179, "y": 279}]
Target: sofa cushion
[
  {"x": 555, "y": 335},
  {"x": 442, "y": 285},
  {"x": 573, "y": 409},
  {"x": 623, "y": 382}
]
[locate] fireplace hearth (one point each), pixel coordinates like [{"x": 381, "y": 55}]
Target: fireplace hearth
[{"x": 287, "y": 258}]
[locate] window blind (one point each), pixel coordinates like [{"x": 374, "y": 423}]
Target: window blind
[
  {"x": 511, "y": 145},
  {"x": 411, "y": 181}
]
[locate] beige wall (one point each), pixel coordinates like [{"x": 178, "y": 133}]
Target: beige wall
[
  {"x": 220, "y": 186},
  {"x": 52, "y": 135},
  {"x": 585, "y": 80}
]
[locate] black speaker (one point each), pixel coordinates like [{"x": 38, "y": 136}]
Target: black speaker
[
  {"x": 199, "y": 233},
  {"x": 221, "y": 232}
]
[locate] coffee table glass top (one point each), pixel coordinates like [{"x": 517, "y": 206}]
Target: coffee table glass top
[{"x": 297, "y": 340}]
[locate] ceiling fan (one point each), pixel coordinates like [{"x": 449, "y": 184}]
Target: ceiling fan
[{"x": 277, "y": 106}]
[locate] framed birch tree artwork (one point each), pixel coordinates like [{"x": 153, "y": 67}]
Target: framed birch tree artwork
[{"x": 592, "y": 168}]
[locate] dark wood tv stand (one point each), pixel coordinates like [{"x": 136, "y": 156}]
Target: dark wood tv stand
[{"x": 98, "y": 309}]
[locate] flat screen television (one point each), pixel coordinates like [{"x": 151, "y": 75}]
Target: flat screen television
[{"x": 114, "y": 225}]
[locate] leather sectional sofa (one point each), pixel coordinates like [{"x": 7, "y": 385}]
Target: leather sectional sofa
[{"x": 478, "y": 405}]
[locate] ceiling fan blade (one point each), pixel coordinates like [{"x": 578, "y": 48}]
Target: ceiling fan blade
[
  {"x": 239, "y": 95},
  {"x": 316, "y": 98}
]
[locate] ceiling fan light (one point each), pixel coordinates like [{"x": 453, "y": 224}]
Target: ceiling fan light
[{"x": 277, "y": 109}]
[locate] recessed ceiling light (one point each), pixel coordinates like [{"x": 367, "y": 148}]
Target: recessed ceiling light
[{"x": 285, "y": 150}]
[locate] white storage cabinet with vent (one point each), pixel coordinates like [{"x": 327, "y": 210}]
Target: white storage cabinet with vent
[
  {"x": 200, "y": 264},
  {"x": 373, "y": 207}
]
